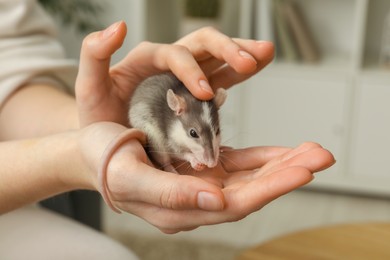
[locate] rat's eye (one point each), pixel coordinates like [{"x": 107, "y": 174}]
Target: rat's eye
[{"x": 193, "y": 133}]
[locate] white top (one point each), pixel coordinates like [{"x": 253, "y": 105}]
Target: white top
[{"x": 29, "y": 49}]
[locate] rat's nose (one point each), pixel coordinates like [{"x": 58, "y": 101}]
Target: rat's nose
[{"x": 212, "y": 163}]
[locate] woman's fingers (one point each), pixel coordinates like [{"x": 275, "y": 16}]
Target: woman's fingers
[
  {"x": 194, "y": 60},
  {"x": 148, "y": 59},
  {"x": 269, "y": 157},
  {"x": 227, "y": 76},
  {"x": 262, "y": 189},
  {"x": 227, "y": 61},
  {"x": 249, "y": 158},
  {"x": 208, "y": 42},
  {"x": 263, "y": 161},
  {"x": 309, "y": 155}
]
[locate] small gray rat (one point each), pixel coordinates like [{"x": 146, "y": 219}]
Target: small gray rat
[{"x": 177, "y": 125}]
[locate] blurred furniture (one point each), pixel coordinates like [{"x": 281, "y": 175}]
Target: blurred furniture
[
  {"x": 350, "y": 241},
  {"x": 339, "y": 101},
  {"x": 82, "y": 206}
]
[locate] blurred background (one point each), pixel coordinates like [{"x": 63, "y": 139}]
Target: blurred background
[{"x": 329, "y": 83}]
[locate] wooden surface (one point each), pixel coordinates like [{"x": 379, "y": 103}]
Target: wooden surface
[{"x": 352, "y": 241}]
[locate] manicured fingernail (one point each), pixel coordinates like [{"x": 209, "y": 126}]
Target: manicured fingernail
[
  {"x": 109, "y": 31},
  {"x": 246, "y": 55},
  {"x": 209, "y": 201},
  {"x": 205, "y": 86}
]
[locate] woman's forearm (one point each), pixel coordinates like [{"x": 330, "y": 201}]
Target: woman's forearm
[
  {"x": 37, "y": 110},
  {"x": 35, "y": 169}
]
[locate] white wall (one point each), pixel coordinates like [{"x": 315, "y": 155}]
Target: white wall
[{"x": 132, "y": 12}]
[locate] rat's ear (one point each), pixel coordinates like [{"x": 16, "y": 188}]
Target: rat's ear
[
  {"x": 220, "y": 97},
  {"x": 176, "y": 102}
]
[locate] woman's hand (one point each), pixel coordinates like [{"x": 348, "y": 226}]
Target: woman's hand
[
  {"x": 203, "y": 61},
  {"x": 244, "y": 181},
  {"x": 250, "y": 179}
]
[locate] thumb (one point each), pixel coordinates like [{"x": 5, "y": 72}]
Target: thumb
[
  {"x": 97, "y": 48},
  {"x": 173, "y": 191},
  {"x": 95, "y": 55}
]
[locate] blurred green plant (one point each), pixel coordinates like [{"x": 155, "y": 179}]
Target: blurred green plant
[
  {"x": 202, "y": 8},
  {"x": 82, "y": 14}
]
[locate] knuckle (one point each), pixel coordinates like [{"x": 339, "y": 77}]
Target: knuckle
[
  {"x": 208, "y": 30},
  {"x": 88, "y": 40},
  {"x": 143, "y": 45},
  {"x": 173, "y": 198},
  {"x": 207, "y": 33},
  {"x": 177, "y": 50},
  {"x": 173, "y": 56},
  {"x": 85, "y": 42}
]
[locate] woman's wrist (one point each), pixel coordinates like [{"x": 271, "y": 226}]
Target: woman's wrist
[
  {"x": 93, "y": 143},
  {"x": 74, "y": 171}
]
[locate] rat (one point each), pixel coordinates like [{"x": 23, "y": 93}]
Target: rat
[{"x": 177, "y": 125}]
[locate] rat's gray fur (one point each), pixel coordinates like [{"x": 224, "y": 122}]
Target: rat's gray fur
[{"x": 149, "y": 111}]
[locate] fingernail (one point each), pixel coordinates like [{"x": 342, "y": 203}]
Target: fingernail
[
  {"x": 109, "y": 31},
  {"x": 246, "y": 55},
  {"x": 209, "y": 201},
  {"x": 205, "y": 86}
]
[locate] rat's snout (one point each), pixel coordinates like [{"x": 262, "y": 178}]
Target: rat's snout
[
  {"x": 212, "y": 163},
  {"x": 204, "y": 159},
  {"x": 211, "y": 158}
]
